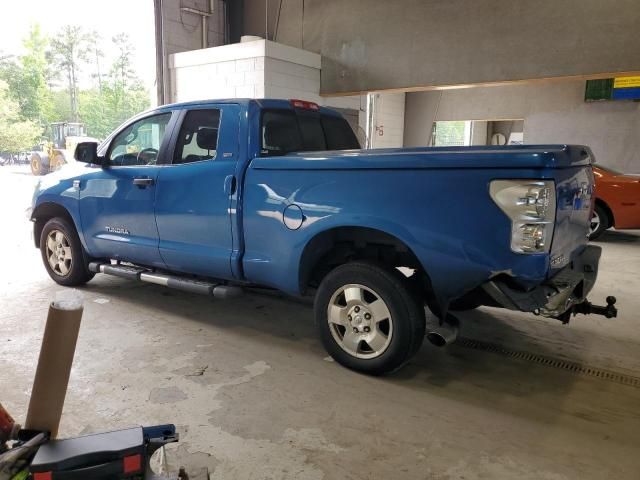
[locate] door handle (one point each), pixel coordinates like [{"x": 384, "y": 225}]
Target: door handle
[{"x": 143, "y": 182}]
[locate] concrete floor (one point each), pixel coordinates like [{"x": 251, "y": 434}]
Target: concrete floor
[{"x": 255, "y": 396}]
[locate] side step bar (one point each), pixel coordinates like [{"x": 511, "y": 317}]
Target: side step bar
[{"x": 185, "y": 284}]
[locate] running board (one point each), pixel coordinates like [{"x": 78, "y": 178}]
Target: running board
[{"x": 218, "y": 290}]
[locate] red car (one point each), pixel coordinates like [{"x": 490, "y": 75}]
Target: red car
[{"x": 617, "y": 201}]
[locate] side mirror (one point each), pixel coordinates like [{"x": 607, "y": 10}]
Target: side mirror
[{"x": 87, "y": 152}]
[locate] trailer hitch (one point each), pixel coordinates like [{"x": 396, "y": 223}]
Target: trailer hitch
[{"x": 588, "y": 308}]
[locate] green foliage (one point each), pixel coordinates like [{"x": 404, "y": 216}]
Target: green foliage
[
  {"x": 27, "y": 78},
  {"x": 449, "y": 133},
  {"x": 44, "y": 83},
  {"x": 15, "y": 134},
  {"x": 69, "y": 52},
  {"x": 102, "y": 112}
]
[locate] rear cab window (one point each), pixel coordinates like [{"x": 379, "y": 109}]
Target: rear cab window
[{"x": 287, "y": 131}]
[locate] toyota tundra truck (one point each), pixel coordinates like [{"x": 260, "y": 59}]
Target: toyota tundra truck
[{"x": 218, "y": 196}]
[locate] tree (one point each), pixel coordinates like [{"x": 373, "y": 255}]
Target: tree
[
  {"x": 97, "y": 54},
  {"x": 122, "y": 73},
  {"x": 121, "y": 95},
  {"x": 69, "y": 52},
  {"x": 15, "y": 134},
  {"x": 28, "y": 78},
  {"x": 115, "y": 96}
]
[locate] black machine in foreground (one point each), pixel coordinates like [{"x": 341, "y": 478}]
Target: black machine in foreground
[
  {"x": 102, "y": 456},
  {"x": 121, "y": 454}
]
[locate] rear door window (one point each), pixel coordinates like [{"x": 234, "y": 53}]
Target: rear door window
[{"x": 198, "y": 137}]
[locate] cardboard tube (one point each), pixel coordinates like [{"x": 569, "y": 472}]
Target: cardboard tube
[{"x": 54, "y": 363}]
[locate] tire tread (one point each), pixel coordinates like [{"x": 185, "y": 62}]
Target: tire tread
[{"x": 402, "y": 290}]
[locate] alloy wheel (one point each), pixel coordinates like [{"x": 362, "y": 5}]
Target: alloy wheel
[
  {"x": 360, "y": 321},
  {"x": 59, "y": 253},
  {"x": 595, "y": 222}
]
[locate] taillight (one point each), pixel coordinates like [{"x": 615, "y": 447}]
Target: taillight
[
  {"x": 531, "y": 207},
  {"x": 305, "y": 105}
]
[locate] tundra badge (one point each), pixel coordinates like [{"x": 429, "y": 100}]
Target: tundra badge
[{"x": 121, "y": 230}]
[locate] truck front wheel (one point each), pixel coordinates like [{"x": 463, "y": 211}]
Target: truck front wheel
[
  {"x": 62, "y": 253},
  {"x": 369, "y": 318}
]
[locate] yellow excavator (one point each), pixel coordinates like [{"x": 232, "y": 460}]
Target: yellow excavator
[{"x": 59, "y": 149}]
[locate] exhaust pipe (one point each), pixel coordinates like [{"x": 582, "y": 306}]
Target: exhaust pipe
[{"x": 445, "y": 333}]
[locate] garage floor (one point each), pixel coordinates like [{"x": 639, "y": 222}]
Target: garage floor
[{"x": 255, "y": 396}]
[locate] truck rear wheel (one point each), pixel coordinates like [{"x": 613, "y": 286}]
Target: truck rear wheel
[
  {"x": 368, "y": 317},
  {"x": 62, "y": 253}
]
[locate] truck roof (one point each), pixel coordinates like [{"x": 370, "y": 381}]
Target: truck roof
[{"x": 260, "y": 102}]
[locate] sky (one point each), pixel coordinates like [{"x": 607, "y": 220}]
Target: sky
[{"x": 108, "y": 18}]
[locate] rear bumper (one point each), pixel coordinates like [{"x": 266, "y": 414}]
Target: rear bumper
[{"x": 559, "y": 294}]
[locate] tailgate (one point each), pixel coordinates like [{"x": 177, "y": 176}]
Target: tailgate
[{"x": 574, "y": 194}]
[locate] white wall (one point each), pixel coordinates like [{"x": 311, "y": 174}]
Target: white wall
[
  {"x": 388, "y": 120},
  {"x": 553, "y": 112},
  {"x": 258, "y": 69},
  {"x": 285, "y": 79}
]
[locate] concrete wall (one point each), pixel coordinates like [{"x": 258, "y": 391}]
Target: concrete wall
[
  {"x": 388, "y": 120},
  {"x": 553, "y": 112},
  {"x": 258, "y": 69},
  {"x": 421, "y": 110},
  {"x": 506, "y": 128},
  {"x": 285, "y": 29},
  {"x": 182, "y": 31},
  {"x": 286, "y": 79},
  {"x": 479, "y": 133},
  {"x": 370, "y": 45}
]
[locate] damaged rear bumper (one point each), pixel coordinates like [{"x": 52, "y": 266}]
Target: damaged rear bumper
[{"x": 560, "y": 296}]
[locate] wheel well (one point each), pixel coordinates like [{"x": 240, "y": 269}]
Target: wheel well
[
  {"x": 337, "y": 246},
  {"x": 45, "y": 212},
  {"x": 611, "y": 219}
]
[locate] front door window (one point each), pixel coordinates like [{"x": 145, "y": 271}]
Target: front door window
[{"x": 139, "y": 143}]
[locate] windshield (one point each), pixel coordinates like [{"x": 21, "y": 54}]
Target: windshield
[{"x": 287, "y": 131}]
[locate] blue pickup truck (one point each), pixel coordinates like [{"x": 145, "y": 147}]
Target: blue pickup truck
[{"x": 216, "y": 196}]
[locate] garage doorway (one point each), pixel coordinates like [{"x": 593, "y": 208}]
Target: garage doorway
[{"x": 459, "y": 133}]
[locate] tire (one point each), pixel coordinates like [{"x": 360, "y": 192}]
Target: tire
[
  {"x": 56, "y": 162},
  {"x": 396, "y": 327},
  {"x": 38, "y": 166},
  {"x": 62, "y": 253},
  {"x": 599, "y": 222}
]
